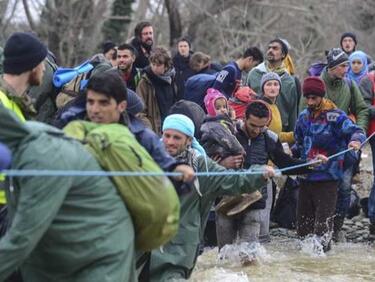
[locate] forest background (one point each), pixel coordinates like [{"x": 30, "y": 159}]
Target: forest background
[{"x": 75, "y": 29}]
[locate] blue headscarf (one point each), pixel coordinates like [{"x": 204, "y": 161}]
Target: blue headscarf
[
  {"x": 364, "y": 70},
  {"x": 185, "y": 125}
]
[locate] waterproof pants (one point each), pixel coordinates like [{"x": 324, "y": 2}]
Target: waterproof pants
[{"x": 316, "y": 207}]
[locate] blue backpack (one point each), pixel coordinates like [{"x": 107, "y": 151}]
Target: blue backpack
[{"x": 196, "y": 88}]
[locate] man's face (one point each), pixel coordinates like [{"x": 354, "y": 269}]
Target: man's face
[
  {"x": 250, "y": 64},
  {"x": 36, "y": 75},
  {"x": 102, "y": 109},
  {"x": 175, "y": 142},
  {"x": 158, "y": 69},
  {"x": 348, "y": 44},
  {"x": 147, "y": 35},
  {"x": 183, "y": 48},
  {"x": 313, "y": 102},
  {"x": 339, "y": 71},
  {"x": 125, "y": 59},
  {"x": 255, "y": 125},
  {"x": 274, "y": 53}
]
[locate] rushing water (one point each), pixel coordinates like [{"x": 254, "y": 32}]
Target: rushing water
[{"x": 288, "y": 260}]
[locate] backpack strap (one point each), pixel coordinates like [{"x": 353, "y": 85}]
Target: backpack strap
[
  {"x": 371, "y": 76},
  {"x": 349, "y": 82}
]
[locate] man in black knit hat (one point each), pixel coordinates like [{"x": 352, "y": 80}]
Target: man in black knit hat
[
  {"x": 23, "y": 67},
  {"x": 348, "y": 42}
]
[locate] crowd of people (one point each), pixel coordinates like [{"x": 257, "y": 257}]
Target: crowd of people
[{"x": 221, "y": 132}]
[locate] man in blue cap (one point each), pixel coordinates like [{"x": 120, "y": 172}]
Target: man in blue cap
[{"x": 178, "y": 258}]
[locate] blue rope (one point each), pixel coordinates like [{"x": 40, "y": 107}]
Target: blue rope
[{"x": 13, "y": 173}]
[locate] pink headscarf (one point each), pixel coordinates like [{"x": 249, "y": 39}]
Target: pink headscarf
[{"x": 210, "y": 98}]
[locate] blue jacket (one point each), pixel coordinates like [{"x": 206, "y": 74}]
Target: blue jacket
[
  {"x": 228, "y": 79},
  {"x": 327, "y": 133}
]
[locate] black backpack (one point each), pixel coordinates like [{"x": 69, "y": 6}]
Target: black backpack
[{"x": 285, "y": 211}]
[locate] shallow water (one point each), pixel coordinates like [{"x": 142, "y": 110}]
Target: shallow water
[{"x": 290, "y": 260}]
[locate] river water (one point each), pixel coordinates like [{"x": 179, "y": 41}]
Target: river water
[{"x": 289, "y": 260}]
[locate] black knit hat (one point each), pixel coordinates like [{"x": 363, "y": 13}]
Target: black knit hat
[
  {"x": 23, "y": 52},
  {"x": 348, "y": 34}
]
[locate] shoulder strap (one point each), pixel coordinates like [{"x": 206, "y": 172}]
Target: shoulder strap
[{"x": 371, "y": 76}]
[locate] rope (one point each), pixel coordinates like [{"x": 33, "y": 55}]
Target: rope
[{"x": 14, "y": 173}]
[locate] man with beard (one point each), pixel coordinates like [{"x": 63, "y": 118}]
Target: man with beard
[
  {"x": 324, "y": 129},
  {"x": 177, "y": 259},
  {"x": 157, "y": 89},
  {"x": 125, "y": 64},
  {"x": 142, "y": 42},
  {"x": 23, "y": 67},
  {"x": 288, "y": 100}
]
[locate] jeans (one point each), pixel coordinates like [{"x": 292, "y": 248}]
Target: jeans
[
  {"x": 371, "y": 199},
  {"x": 343, "y": 193}
]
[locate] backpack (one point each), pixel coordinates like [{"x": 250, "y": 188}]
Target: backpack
[
  {"x": 285, "y": 211},
  {"x": 73, "y": 80},
  {"x": 316, "y": 69},
  {"x": 151, "y": 200},
  {"x": 240, "y": 100},
  {"x": 196, "y": 88}
]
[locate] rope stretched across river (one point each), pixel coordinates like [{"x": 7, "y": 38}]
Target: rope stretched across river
[{"x": 14, "y": 173}]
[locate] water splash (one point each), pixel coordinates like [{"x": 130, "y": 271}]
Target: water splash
[
  {"x": 314, "y": 246},
  {"x": 243, "y": 254}
]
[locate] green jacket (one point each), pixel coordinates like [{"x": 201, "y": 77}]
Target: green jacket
[
  {"x": 288, "y": 100},
  {"x": 177, "y": 259},
  {"x": 63, "y": 228},
  {"x": 346, "y": 98}
]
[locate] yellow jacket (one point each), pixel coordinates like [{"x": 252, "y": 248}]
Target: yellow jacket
[
  {"x": 276, "y": 126},
  {"x": 11, "y": 105}
]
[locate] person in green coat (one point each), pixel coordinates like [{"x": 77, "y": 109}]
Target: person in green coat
[
  {"x": 62, "y": 228},
  {"x": 345, "y": 94},
  {"x": 288, "y": 100},
  {"x": 177, "y": 258}
]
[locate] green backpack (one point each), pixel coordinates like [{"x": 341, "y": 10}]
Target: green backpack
[{"x": 152, "y": 200}]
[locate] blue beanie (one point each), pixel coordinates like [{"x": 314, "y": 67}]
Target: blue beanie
[
  {"x": 23, "y": 52},
  {"x": 186, "y": 126}
]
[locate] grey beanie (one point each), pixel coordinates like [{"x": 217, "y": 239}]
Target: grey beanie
[{"x": 269, "y": 76}]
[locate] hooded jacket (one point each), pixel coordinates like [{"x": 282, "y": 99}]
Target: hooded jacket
[
  {"x": 178, "y": 257},
  {"x": 63, "y": 228},
  {"x": 326, "y": 131},
  {"x": 288, "y": 100},
  {"x": 347, "y": 97}
]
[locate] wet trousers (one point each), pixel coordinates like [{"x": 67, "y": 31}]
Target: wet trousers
[
  {"x": 316, "y": 207},
  {"x": 249, "y": 225}
]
